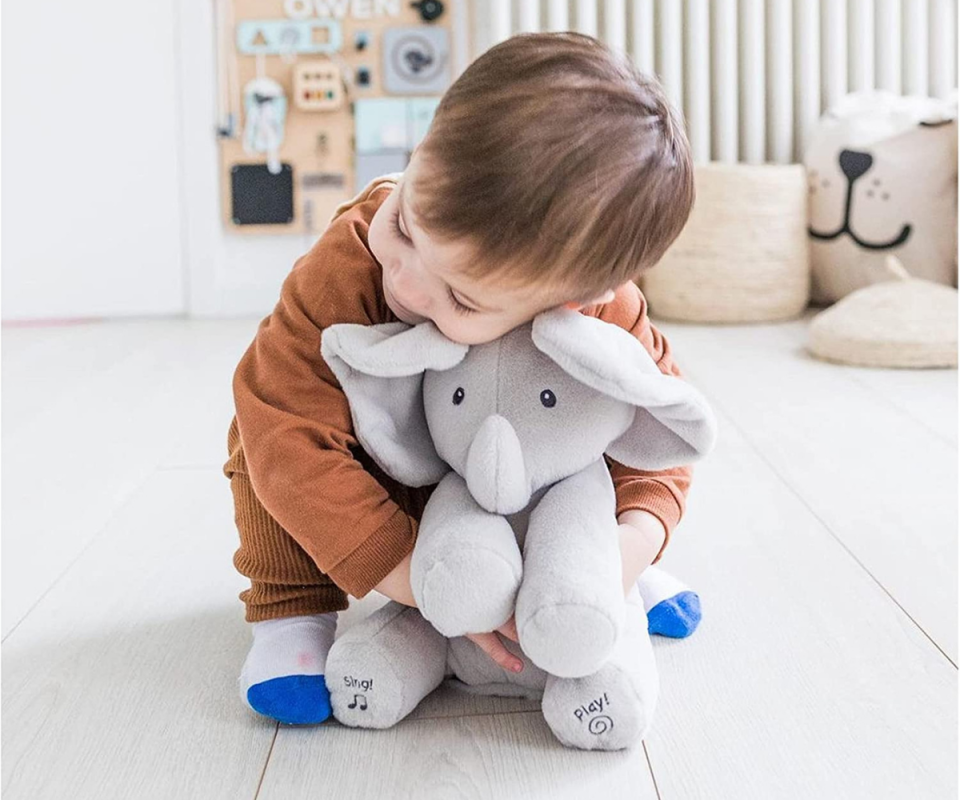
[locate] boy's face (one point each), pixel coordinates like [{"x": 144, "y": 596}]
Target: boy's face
[{"x": 423, "y": 279}]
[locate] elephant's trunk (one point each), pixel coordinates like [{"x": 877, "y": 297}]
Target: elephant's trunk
[{"x": 495, "y": 474}]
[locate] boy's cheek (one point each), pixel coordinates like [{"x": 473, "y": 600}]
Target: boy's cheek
[{"x": 471, "y": 332}]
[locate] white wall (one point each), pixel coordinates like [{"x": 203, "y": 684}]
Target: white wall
[
  {"x": 229, "y": 274},
  {"x": 91, "y": 223},
  {"x": 111, "y": 175}
]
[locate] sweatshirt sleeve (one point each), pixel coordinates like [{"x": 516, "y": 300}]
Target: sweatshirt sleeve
[
  {"x": 661, "y": 493},
  {"x": 295, "y": 424}
]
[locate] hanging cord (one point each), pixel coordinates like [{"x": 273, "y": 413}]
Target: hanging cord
[{"x": 227, "y": 81}]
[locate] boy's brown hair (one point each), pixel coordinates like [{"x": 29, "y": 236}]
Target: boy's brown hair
[{"x": 560, "y": 162}]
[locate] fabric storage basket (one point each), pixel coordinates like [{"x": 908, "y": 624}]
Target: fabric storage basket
[{"x": 743, "y": 255}]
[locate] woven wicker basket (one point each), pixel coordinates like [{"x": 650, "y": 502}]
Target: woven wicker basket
[
  {"x": 743, "y": 256},
  {"x": 905, "y": 322}
]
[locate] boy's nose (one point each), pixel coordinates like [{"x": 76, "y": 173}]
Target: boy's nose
[{"x": 408, "y": 288}]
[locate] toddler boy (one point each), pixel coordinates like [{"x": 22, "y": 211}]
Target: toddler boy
[{"x": 553, "y": 174}]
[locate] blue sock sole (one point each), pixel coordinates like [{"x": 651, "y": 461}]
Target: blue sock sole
[
  {"x": 292, "y": 699},
  {"x": 676, "y": 617}
]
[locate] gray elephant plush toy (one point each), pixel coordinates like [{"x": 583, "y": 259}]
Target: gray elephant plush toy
[{"x": 523, "y": 520}]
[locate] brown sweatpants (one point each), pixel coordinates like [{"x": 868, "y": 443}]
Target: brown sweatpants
[{"x": 284, "y": 580}]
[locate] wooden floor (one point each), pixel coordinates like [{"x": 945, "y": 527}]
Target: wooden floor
[{"x": 821, "y": 535}]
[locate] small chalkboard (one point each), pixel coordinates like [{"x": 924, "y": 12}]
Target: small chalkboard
[{"x": 260, "y": 197}]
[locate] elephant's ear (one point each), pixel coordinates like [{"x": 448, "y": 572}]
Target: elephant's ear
[
  {"x": 381, "y": 368},
  {"x": 672, "y": 426}
]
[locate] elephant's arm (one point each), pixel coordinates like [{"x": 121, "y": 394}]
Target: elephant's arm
[
  {"x": 466, "y": 565},
  {"x": 570, "y": 605}
]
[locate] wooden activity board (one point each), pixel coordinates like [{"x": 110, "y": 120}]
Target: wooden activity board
[{"x": 317, "y": 97}]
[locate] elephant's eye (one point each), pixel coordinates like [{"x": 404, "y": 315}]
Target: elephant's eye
[
  {"x": 458, "y": 396},
  {"x": 548, "y": 398}
]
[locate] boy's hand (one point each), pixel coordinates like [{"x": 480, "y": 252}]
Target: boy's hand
[
  {"x": 641, "y": 537},
  {"x": 491, "y": 645}
]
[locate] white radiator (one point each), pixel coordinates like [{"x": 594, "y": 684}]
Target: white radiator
[{"x": 753, "y": 76}]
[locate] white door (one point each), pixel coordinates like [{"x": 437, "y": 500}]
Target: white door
[{"x": 91, "y": 213}]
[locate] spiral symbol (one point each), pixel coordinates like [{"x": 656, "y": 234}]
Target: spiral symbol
[{"x": 599, "y": 725}]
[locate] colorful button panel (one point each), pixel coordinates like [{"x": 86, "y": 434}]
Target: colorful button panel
[{"x": 317, "y": 86}]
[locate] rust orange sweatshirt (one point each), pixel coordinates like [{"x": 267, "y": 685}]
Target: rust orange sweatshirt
[{"x": 295, "y": 427}]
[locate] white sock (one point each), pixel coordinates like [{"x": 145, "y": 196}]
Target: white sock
[
  {"x": 673, "y": 608},
  {"x": 288, "y": 646},
  {"x": 656, "y": 585}
]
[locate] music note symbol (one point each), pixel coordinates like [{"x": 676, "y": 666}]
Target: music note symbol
[{"x": 363, "y": 702}]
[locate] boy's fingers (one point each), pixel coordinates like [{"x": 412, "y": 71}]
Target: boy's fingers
[
  {"x": 491, "y": 645},
  {"x": 509, "y": 629}
]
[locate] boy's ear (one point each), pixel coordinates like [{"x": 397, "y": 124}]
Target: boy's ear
[
  {"x": 380, "y": 369},
  {"x": 672, "y": 424}
]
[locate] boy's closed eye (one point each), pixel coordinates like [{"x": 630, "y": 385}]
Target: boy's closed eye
[
  {"x": 398, "y": 227},
  {"x": 458, "y": 305}
]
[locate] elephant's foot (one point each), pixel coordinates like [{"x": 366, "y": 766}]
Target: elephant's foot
[
  {"x": 466, "y": 568},
  {"x": 470, "y": 590},
  {"x": 609, "y": 710},
  {"x": 567, "y": 639},
  {"x": 612, "y": 708},
  {"x": 365, "y": 690},
  {"x": 381, "y": 668}
]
